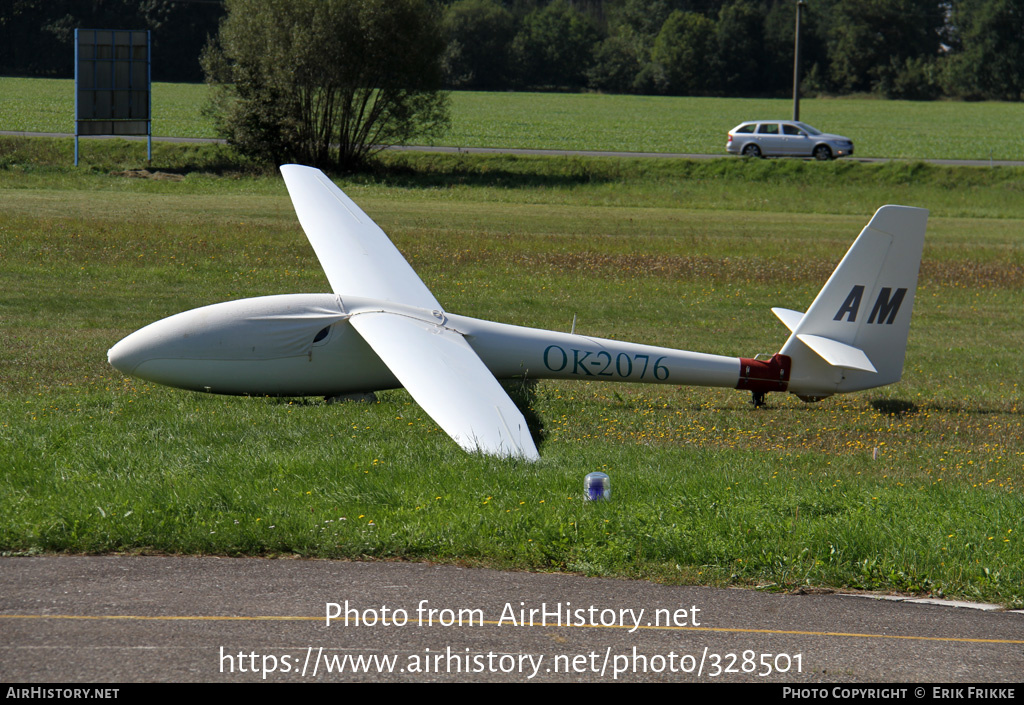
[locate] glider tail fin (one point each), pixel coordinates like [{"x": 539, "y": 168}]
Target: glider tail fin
[{"x": 854, "y": 335}]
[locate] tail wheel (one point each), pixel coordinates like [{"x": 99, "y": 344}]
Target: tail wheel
[{"x": 822, "y": 153}]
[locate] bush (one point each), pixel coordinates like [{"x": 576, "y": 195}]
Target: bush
[{"x": 326, "y": 82}]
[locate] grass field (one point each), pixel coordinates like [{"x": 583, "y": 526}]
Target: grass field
[
  {"x": 879, "y": 128},
  {"x": 918, "y": 487}
]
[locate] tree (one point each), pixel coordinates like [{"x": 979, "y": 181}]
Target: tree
[
  {"x": 555, "y": 47},
  {"x": 988, "y": 41},
  {"x": 872, "y": 40},
  {"x": 479, "y": 34},
  {"x": 779, "y": 28},
  {"x": 326, "y": 82},
  {"x": 740, "y": 36},
  {"x": 179, "y": 31},
  {"x": 622, "y": 62},
  {"x": 685, "y": 53},
  {"x": 619, "y": 62}
]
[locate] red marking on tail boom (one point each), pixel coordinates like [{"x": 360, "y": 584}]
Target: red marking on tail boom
[{"x": 765, "y": 376}]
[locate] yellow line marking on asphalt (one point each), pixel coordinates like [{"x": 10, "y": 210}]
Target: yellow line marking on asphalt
[{"x": 414, "y": 622}]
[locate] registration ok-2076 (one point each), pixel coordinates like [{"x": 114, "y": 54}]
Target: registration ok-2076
[{"x": 587, "y": 363}]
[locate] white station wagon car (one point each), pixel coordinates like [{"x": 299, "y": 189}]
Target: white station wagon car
[{"x": 785, "y": 138}]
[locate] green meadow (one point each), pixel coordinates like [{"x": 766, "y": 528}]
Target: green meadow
[
  {"x": 917, "y": 487},
  {"x": 593, "y": 121}
]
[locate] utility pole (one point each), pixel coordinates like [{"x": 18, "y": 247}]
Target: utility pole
[{"x": 796, "y": 61}]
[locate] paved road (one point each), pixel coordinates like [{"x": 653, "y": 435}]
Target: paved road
[
  {"x": 186, "y": 619},
  {"x": 534, "y": 152}
]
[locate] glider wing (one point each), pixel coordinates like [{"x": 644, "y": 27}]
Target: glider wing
[
  {"x": 356, "y": 255},
  {"x": 446, "y": 377}
]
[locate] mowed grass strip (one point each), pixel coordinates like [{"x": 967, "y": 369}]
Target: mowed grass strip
[
  {"x": 916, "y": 487},
  {"x": 594, "y": 121}
]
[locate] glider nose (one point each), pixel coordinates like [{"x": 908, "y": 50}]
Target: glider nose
[
  {"x": 148, "y": 354},
  {"x": 130, "y": 352}
]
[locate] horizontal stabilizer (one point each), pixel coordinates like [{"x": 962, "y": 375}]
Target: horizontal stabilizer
[
  {"x": 837, "y": 354},
  {"x": 788, "y": 316},
  {"x": 446, "y": 377}
]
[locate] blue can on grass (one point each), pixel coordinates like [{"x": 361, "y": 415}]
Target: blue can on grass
[{"x": 597, "y": 486}]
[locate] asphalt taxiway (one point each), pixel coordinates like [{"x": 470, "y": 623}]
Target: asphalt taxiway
[{"x": 124, "y": 619}]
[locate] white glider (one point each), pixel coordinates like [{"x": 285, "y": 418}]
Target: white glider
[{"x": 382, "y": 329}]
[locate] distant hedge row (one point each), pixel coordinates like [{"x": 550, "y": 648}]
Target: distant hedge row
[{"x": 915, "y": 49}]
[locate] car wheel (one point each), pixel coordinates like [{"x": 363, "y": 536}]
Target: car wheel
[
  {"x": 752, "y": 150},
  {"x": 822, "y": 153}
]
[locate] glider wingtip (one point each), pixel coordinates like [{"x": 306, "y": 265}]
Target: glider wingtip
[
  {"x": 529, "y": 455},
  {"x": 293, "y": 170},
  {"x": 525, "y": 450},
  {"x": 502, "y": 447}
]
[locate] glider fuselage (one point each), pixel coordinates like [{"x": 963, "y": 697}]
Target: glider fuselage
[{"x": 304, "y": 345}]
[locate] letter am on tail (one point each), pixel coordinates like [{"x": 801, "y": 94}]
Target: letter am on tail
[{"x": 382, "y": 328}]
